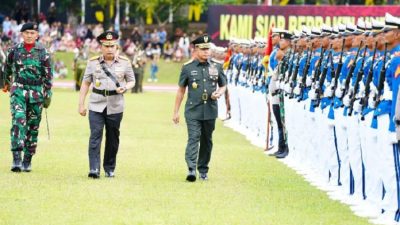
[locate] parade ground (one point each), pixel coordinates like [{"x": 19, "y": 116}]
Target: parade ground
[{"x": 245, "y": 186}]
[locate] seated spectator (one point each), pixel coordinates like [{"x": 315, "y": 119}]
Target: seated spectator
[
  {"x": 60, "y": 70},
  {"x": 156, "y": 52},
  {"x": 178, "y": 56},
  {"x": 168, "y": 51},
  {"x": 149, "y": 51}
]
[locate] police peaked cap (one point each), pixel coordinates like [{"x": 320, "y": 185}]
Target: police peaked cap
[
  {"x": 29, "y": 26},
  {"x": 377, "y": 27},
  {"x": 326, "y": 30},
  {"x": 391, "y": 22},
  {"x": 286, "y": 35},
  {"x": 108, "y": 38},
  {"x": 203, "y": 41}
]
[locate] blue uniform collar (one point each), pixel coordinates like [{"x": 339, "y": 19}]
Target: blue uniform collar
[{"x": 395, "y": 49}]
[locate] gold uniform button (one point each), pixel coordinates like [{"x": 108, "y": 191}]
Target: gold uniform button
[
  {"x": 205, "y": 102},
  {"x": 205, "y": 90},
  {"x": 204, "y": 80}
]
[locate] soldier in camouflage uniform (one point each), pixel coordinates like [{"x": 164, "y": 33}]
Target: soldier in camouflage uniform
[
  {"x": 79, "y": 68},
  {"x": 206, "y": 82},
  {"x": 28, "y": 73}
]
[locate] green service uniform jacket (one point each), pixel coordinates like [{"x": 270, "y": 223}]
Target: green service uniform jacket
[{"x": 202, "y": 79}]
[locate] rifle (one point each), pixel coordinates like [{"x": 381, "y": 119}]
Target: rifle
[
  {"x": 290, "y": 69},
  {"x": 318, "y": 68},
  {"x": 318, "y": 90},
  {"x": 239, "y": 68},
  {"x": 357, "y": 84},
  {"x": 364, "y": 100},
  {"x": 381, "y": 79},
  {"x": 306, "y": 67},
  {"x": 284, "y": 66},
  {"x": 338, "y": 69},
  {"x": 351, "y": 71},
  {"x": 294, "y": 76}
]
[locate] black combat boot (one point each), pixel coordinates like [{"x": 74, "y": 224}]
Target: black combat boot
[
  {"x": 284, "y": 153},
  {"x": 191, "y": 176},
  {"x": 27, "y": 163},
  {"x": 16, "y": 164},
  {"x": 94, "y": 173}
]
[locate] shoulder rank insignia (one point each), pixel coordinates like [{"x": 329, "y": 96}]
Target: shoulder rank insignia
[
  {"x": 94, "y": 58},
  {"x": 123, "y": 57},
  {"x": 188, "y": 62}
]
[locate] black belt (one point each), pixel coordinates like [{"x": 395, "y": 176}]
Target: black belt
[
  {"x": 28, "y": 82},
  {"x": 104, "y": 92}
]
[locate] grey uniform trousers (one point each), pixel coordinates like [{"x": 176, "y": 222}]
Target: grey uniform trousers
[{"x": 112, "y": 123}]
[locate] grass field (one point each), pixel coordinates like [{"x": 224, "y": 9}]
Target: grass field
[
  {"x": 245, "y": 186},
  {"x": 168, "y": 72}
]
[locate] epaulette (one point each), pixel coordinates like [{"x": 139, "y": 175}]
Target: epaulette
[
  {"x": 123, "y": 57},
  {"x": 94, "y": 58},
  {"x": 216, "y": 62},
  {"x": 188, "y": 62}
]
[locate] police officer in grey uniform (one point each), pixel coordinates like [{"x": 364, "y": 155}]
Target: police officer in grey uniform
[
  {"x": 111, "y": 76},
  {"x": 206, "y": 82}
]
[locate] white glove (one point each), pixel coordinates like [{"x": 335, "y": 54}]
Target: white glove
[
  {"x": 372, "y": 87},
  {"x": 297, "y": 90},
  {"x": 387, "y": 93},
  {"x": 357, "y": 106},
  {"x": 328, "y": 92},
  {"x": 272, "y": 86},
  {"x": 339, "y": 91},
  {"x": 308, "y": 81},
  {"x": 392, "y": 138},
  {"x": 362, "y": 87},
  {"x": 346, "y": 100},
  {"x": 371, "y": 102},
  {"x": 312, "y": 94},
  {"x": 287, "y": 88},
  {"x": 282, "y": 86},
  {"x": 259, "y": 83}
]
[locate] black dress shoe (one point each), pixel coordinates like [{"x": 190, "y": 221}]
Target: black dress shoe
[
  {"x": 276, "y": 153},
  {"x": 191, "y": 177},
  {"x": 94, "y": 174},
  {"x": 283, "y": 154},
  {"x": 110, "y": 174},
  {"x": 16, "y": 164},
  {"x": 203, "y": 176},
  {"x": 27, "y": 163}
]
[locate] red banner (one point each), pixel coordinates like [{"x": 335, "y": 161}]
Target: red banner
[{"x": 249, "y": 21}]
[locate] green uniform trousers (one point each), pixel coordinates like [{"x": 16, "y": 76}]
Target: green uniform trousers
[
  {"x": 26, "y": 118},
  {"x": 199, "y": 132}
]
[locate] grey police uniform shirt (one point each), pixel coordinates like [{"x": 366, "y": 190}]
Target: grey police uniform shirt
[
  {"x": 121, "y": 69},
  {"x": 202, "y": 79}
]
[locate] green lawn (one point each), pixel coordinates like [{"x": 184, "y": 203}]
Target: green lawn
[
  {"x": 168, "y": 72},
  {"x": 245, "y": 186}
]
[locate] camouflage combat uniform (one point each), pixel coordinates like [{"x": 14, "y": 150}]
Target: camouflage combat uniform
[{"x": 30, "y": 76}]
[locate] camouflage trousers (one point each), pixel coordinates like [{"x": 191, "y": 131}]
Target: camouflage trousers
[{"x": 26, "y": 118}]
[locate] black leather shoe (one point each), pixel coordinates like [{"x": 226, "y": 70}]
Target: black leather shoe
[
  {"x": 16, "y": 164},
  {"x": 283, "y": 154},
  {"x": 94, "y": 174},
  {"x": 191, "y": 177},
  {"x": 27, "y": 163},
  {"x": 276, "y": 153},
  {"x": 203, "y": 176},
  {"x": 110, "y": 174}
]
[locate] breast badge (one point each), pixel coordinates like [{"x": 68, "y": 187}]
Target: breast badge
[{"x": 195, "y": 85}]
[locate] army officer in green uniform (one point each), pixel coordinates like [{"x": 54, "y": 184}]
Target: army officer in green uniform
[{"x": 206, "y": 82}]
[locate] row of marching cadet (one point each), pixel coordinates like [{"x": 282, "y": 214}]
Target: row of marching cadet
[{"x": 324, "y": 101}]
